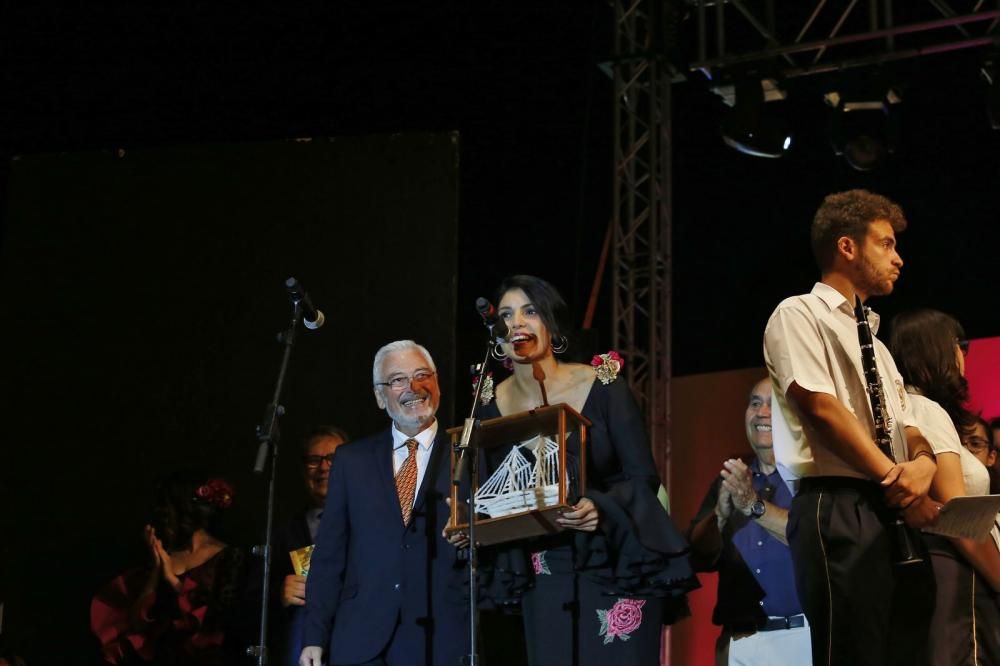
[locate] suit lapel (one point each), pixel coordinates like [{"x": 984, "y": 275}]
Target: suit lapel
[
  {"x": 384, "y": 473},
  {"x": 434, "y": 467}
]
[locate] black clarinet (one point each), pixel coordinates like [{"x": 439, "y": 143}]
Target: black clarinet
[{"x": 903, "y": 550}]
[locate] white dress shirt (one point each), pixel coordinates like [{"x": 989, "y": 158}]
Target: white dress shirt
[
  {"x": 812, "y": 340},
  {"x": 425, "y": 443}
]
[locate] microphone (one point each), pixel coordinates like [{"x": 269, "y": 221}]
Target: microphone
[
  {"x": 492, "y": 320},
  {"x": 311, "y": 317}
]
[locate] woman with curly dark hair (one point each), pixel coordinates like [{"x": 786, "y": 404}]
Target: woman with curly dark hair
[
  {"x": 177, "y": 609},
  {"x": 929, "y": 348}
]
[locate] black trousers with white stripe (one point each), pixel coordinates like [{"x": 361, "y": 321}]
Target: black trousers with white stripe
[{"x": 863, "y": 609}]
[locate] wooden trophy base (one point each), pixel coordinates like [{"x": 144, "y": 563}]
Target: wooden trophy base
[{"x": 538, "y": 522}]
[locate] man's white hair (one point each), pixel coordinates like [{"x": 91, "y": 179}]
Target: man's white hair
[{"x": 398, "y": 345}]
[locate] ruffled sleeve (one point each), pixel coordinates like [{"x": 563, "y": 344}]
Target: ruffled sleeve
[
  {"x": 175, "y": 627},
  {"x": 110, "y": 620},
  {"x": 637, "y": 549}
]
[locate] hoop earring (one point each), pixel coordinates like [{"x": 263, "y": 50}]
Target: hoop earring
[
  {"x": 497, "y": 352},
  {"x": 559, "y": 344}
]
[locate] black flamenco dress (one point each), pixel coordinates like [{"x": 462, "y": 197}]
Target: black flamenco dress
[{"x": 597, "y": 598}]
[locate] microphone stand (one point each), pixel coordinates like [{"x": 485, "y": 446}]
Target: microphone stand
[
  {"x": 268, "y": 436},
  {"x": 468, "y": 455}
]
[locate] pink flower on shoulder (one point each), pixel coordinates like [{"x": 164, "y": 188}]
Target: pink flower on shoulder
[
  {"x": 621, "y": 620},
  {"x": 607, "y": 366}
]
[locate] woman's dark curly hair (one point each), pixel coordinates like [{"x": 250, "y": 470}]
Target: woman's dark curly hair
[
  {"x": 923, "y": 343},
  {"x": 184, "y": 503}
]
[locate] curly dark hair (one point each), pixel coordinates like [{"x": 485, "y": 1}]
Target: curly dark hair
[
  {"x": 178, "y": 512},
  {"x": 923, "y": 343},
  {"x": 849, "y": 214}
]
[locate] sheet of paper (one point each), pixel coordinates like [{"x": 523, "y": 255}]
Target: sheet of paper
[
  {"x": 301, "y": 559},
  {"x": 967, "y": 517}
]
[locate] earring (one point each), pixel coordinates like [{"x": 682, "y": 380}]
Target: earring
[
  {"x": 497, "y": 352},
  {"x": 559, "y": 344}
]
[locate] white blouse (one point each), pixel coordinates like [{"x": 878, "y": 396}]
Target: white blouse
[{"x": 936, "y": 426}]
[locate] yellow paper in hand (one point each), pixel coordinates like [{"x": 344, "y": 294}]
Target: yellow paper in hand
[{"x": 300, "y": 560}]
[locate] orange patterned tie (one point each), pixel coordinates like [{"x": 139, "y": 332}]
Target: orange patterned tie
[{"x": 406, "y": 481}]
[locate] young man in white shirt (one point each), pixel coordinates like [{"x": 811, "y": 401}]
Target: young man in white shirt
[{"x": 863, "y": 609}]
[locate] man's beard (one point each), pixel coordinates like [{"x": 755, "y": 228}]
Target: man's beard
[{"x": 871, "y": 281}]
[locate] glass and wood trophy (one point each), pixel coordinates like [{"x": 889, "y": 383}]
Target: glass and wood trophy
[{"x": 533, "y": 483}]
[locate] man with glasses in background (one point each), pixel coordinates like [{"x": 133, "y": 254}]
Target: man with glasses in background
[
  {"x": 384, "y": 586},
  {"x": 980, "y": 444},
  {"x": 293, "y": 541}
]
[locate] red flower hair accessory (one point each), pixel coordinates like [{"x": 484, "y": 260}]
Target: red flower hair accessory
[{"x": 217, "y": 492}]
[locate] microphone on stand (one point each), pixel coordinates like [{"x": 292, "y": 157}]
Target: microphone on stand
[
  {"x": 498, "y": 332},
  {"x": 497, "y": 326},
  {"x": 311, "y": 317}
]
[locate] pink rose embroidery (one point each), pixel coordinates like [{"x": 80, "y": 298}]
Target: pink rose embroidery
[
  {"x": 621, "y": 619},
  {"x": 539, "y": 564}
]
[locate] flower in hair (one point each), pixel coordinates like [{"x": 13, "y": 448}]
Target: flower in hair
[
  {"x": 607, "y": 366},
  {"x": 217, "y": 492}
]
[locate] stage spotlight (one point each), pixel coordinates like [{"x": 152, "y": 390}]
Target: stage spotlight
[
  {"x": 863, "y": 127},
  {"x": 748, "y": 127}
]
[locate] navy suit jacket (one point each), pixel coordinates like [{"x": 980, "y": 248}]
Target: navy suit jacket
[
  {"x": 369, "y": 572},
  {"x": 286, "y": 623}
]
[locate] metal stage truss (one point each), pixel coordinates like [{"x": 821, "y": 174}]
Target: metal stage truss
[
  {"x": 795, "y": 38},
  {"x": 641, "y": 213},
  {"x": 727, "y": 39}
]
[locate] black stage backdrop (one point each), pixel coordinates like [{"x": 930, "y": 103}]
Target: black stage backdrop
[{"x": 141, "y": 294}]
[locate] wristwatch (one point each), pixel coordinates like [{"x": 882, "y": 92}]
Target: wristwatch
[{"x": 757, "y": 509}]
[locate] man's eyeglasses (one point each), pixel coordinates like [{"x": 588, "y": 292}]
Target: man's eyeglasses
[
  {"x": 401, "y": 382},
  {"x": 977, "y": 444},
  {"x": 964, "y": 346},
  {"x": 316, "y": 461}
]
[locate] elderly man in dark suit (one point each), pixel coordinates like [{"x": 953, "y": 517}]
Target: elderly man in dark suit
[{"x": 385, "y": 588}]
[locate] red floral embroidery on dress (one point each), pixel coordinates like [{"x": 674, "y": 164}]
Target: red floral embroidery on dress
[
  {"x": 539, "y": 564},
  {"x": 621, "y": 620}
]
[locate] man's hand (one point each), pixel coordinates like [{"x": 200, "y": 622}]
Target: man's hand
[
  {"x": 723, "y": 505},
  {"x": 922, "y": 512},
  {"x": 293, "y": 592},
  {"x": 737, "y": 479},
  {"x": 909, "y": 481},
  {"x": 311, "y": 656},
  {"x": 584, "y": 516}
]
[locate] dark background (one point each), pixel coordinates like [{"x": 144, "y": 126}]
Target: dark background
[
  {"x": 141, "y": 292},
  {"x": 521, "y": 85}
]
